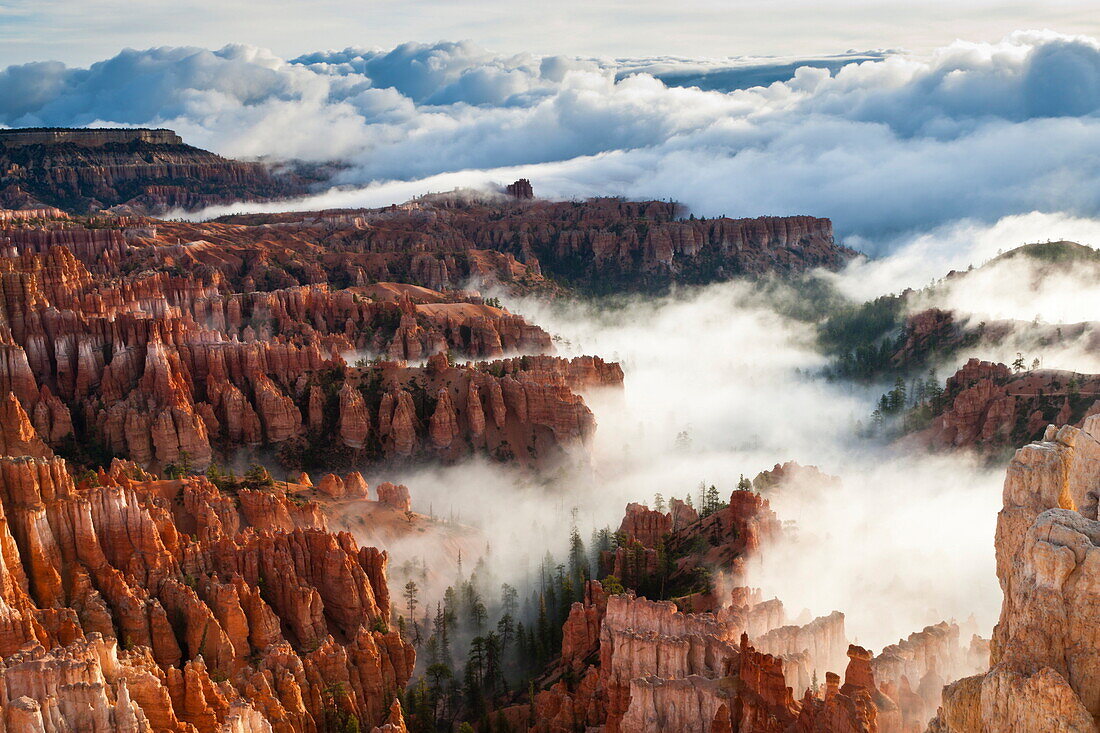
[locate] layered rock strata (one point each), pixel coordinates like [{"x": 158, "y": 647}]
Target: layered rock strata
[
  {"x": 1043, "y": 672},
  {"x": 84, "y": 171}
]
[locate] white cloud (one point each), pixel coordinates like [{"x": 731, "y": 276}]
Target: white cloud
[{"x": 884, "y": 147}]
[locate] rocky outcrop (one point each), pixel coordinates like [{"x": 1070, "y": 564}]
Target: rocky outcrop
[
  {"x": 396, "y": 496},
  {"x": 1044, "y": 669},
  {"x": 662, "y": 550},
  {"x": 597, "y": 245},
  {"x": 987, "y": 405},
  {"x": 520, "y": 189},
  {"x": 645, "y": 666}
]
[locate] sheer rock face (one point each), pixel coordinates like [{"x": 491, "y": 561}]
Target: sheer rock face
[
  {"x": 236, "y": 614},
  {"x": 1044, "y": 661}
]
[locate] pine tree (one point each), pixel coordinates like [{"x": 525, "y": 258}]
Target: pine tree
[
  {"x": 542, "y": 633},
  {"x": 578, "y": 564},
  {"x": 711, "y": 501},
  {"x": 411, "y": 602}
]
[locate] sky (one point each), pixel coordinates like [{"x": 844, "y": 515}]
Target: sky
[{"x": 81, "y": 32}]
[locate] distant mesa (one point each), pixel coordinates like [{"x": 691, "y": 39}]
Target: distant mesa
[
  {"x": 521, "y": 189},
  {"x": 127, "y": 171},
  {"x": 86, "y": 137}
]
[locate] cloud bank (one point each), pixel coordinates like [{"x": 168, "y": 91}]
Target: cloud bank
[{"x": 885, "y": 144}]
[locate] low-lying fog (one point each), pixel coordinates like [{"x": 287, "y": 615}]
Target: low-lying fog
[{"x": 718, "y": 385}]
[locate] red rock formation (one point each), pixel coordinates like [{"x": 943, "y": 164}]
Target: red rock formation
[
  {"x": 596, "y": 244},
  {"x": 987, "y": 405},
  {"x": 396, "y": 496},
  {"x": 147, "y": 381},
  {"x": 1043, "y": 661},
  {"x": 655, "y": 668},
  {"x": 199, "y": 588},
  {"x": 642, "y": 524},
  {"x": 520, "y": 189},
  {"x": 729, "y": 535}
]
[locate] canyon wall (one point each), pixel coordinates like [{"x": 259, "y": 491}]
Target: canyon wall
[{"x": 1044, "y": 658}]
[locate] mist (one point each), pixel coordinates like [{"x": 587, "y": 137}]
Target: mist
[{"x": 905, "y": 540}]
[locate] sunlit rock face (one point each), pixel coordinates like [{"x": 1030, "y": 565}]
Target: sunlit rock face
[
  {"x": 1044, "y": 671},
  {"x": 651, "y": 668},
  {"x": 131, "y": 603}
]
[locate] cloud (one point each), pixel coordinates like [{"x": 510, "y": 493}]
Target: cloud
[{"x": 886, "y": 144}]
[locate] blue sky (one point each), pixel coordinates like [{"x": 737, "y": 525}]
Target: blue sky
[{"x": 81, "y": 31}]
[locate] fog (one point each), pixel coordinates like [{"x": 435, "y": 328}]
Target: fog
[
  {"x": 1031, "y": 307},
  {"x": 904, "y": 541}
]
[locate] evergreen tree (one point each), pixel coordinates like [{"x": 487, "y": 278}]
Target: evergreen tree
[
  {"x": 578, "y": 562},
  {"x": 411, "y": 603}
]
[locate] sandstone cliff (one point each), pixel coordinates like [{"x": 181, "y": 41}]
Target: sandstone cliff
[{"x": 1043, "y": 657}]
